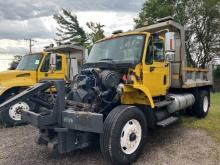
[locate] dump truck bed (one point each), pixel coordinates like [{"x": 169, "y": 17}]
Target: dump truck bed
[
  {"x": 192, "y": 77},
  {"x": 181, "y": 75}
]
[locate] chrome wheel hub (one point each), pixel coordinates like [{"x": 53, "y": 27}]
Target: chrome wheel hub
[
  {"x": 131, "y": 136},
  {"x": 15, "y": 110},
  {"x": 205, "y": 104}
]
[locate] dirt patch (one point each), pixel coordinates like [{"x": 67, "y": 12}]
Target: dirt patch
[
  {"x": 171, "y": 145},
  {"x": 179, "y": 145}
]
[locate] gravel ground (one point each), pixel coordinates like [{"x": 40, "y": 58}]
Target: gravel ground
[{"x": 172, "y": 145}]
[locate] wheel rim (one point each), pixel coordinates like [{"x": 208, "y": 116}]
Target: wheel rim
[
  {"x": 15, "y": 110},
  {"x": 130, "y": 136},
  {"x": 205, "y": 104}
]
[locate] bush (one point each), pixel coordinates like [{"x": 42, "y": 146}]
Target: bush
[{"x": 217, "y": 72}]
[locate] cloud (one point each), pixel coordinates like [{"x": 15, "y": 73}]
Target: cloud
[
  {"x": 33, "y": 19},
  {"x": 33, "y": 28},
  {"x": 102, "y": 5},
  {"x": 21, "y": 47},
  {"x": 14, "y": 50},
  {"x": 112, "y": 20},
  {"x": 28, "y": 9},
  {"x": 45, "y": 27}
]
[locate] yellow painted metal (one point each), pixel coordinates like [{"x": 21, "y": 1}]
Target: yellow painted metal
[
  {"x": 26, "y": 78},
  {"x": 15, "y": 78},
  {"x": 156, "y": 75},
  {"x": 148, "y": 81},
  {"x": 60, "y": 74},
  {"x": 138, "y": 94},
  {"x": 121, "y": 34}
]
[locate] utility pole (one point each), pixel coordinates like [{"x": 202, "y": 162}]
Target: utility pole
[{"x": 30, "y": 44}]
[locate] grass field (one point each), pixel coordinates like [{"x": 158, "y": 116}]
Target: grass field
[{"x": 211, "y": 123}]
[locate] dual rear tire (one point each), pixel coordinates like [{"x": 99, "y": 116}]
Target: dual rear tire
[{"x": 125, "y": 131}]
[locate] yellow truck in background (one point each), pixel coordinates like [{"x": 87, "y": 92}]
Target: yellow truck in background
[{"x": 30, "y": 70}]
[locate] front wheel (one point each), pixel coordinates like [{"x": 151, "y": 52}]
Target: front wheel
[
  {"x": 125, "y": 131},
  {"x": 12, "y": 116}
]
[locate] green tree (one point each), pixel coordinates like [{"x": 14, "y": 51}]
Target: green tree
[
  {"x": 69, "y": 29},
  {"x": 201, "y": 20},
  {"x": 204, "y": 24},
  {"x": 154, "y": 9},
  {"x": 217, "y": 72},
  {"x": 14, "y": 63},
  {"x": 97, "y": 32}
]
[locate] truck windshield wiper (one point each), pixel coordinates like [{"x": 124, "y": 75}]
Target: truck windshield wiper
[{"x": 106, "y": 59}]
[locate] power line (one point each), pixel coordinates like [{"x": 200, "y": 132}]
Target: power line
[{"x": 30, "y": 44}]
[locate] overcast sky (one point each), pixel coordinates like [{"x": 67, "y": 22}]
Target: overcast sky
[{"x": 20, "y": 19}]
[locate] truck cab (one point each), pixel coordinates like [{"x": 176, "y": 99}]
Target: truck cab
[
  {"x": 31, "y": 69},
  {"x": 34, "y": 68}
]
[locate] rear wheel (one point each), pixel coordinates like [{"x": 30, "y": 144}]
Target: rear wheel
[
  {"x": 202, "y": 104},
  {"x": 125, "y": 130},
  {"x": 12, "y": 116}
]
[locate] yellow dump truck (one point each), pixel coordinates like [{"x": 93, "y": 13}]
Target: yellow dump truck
[
  {"x": 33, "y": 68},
  {"x": 131, "y": 82}
]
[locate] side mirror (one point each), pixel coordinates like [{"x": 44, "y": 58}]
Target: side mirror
[
  {"x": 53, "y": 60},
  {"x": 170, "y": 42},
  {"x": 170, "y": 46}
]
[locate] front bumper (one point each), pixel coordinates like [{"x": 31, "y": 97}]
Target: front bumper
[
  {"x": 72, "y": 120},
  {"x": 82, "y": 121}
]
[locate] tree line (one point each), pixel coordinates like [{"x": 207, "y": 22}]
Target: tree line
[{"x": 201, "y": 19}]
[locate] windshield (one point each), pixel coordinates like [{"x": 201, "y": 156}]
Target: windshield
[
  {"x": 29, "y": 62},
  {"x": 125, "y": 49}
]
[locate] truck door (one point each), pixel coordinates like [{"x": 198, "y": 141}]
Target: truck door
[
  {"x": 155, "y": 69},
  {"x": 45, "y": 73}
]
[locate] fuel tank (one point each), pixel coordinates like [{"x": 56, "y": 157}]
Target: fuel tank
[{"x": 180, "y": 101}]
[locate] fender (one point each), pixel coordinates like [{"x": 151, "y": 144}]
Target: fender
[
  {"x": 137, "y": 94},
  {"x": 147, "y": 93},
  {"x": 16, "y": 78},
  {"x": 3, "y": 90},
  {"x": 15, "y": 83}
]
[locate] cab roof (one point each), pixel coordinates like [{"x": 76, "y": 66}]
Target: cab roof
[{"x": 122, "y": 34}]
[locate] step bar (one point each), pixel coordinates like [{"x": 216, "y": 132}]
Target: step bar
[{"x": 167, "y": 121}]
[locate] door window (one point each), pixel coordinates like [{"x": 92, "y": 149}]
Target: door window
[
  {"x": 158, "y": 50},
  {"x": 59, "y": 63},
  {"x": 149, "y": 57},
  {"x": 155, "y": 51},
  {"x": 46, "y": 65}
]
